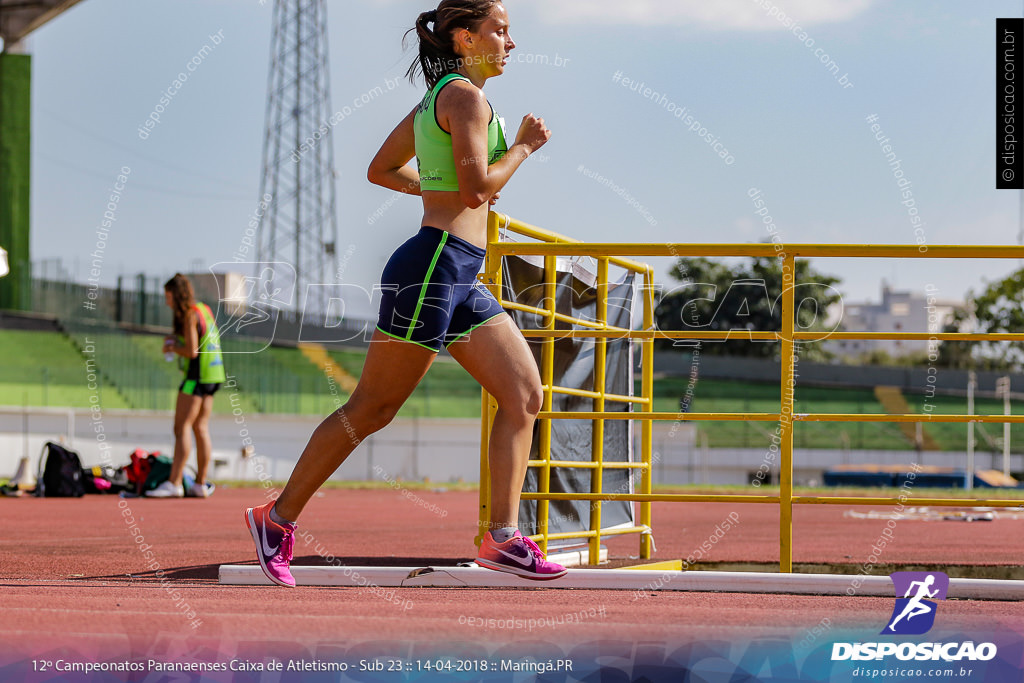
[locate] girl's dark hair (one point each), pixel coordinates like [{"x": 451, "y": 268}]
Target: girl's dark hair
[
  {"x": 183, "y": 299},
  {"x": 437, "y": 56}
]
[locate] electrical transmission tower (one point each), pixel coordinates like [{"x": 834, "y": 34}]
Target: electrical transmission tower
[{"x": 300, "y": 225}]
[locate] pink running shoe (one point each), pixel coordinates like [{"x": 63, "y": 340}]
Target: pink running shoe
[
  {"x": 518, "y": 555},
  {"x": 273, "y": 544}
]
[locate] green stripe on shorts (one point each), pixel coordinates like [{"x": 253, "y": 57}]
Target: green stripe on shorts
[{"x": 426, "y": 283}]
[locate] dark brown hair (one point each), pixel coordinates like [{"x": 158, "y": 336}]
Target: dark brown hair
[
  {"x": 437, "y": 56},
  {"x": 183, "y": 298}
]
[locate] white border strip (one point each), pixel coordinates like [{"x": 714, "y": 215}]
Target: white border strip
[{"x": 617, "y": 579}]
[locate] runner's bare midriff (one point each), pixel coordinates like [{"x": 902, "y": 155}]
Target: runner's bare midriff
[{"x": 447, "y": 211}]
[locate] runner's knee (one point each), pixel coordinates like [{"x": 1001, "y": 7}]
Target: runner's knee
[
  {"x": 379, "y": 418},
  {"x": 534, "y": 399},
  {"x": 360, "y": 419},
  {"x": 523, "y": 402}
]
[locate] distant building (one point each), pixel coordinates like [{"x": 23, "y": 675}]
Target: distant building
[{"x": 899, "y": 311}]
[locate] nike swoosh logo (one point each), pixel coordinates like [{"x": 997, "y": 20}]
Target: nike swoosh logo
[
  {"x": 267, "y": 550},
  {"x": 518, "y": 560}
]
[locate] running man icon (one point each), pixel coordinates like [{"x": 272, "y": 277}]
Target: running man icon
[
  {"x": 922, "y": 585},
  {"x": 915, "y": 607}
]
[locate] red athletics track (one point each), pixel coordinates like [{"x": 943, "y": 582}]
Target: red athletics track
[{"x": 69, "y": 568}]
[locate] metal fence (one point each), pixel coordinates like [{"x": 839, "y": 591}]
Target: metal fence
[
  {"x": 552, "y": 245},
  {"x": 117, "y": 330}
]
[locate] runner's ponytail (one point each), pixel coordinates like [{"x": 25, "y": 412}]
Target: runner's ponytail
[{"x": 435, "y": 29}]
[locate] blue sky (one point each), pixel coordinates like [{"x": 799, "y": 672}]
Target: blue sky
[{"x": 925, "y": 69}]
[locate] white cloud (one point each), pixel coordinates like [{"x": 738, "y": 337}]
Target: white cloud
[{"x": 747, "y": 15}]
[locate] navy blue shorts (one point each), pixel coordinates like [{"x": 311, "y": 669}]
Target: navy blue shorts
[
  {"x": 430, "y": 294},
  {"x": 194, "y": 388}
]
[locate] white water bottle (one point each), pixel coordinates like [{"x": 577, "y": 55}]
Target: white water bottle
[{"x": 169, "y": 356}]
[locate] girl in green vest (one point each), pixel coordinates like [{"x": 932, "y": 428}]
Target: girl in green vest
[
  {"x": 430, "y": 294},
  {"x": 197, "y": 340}
]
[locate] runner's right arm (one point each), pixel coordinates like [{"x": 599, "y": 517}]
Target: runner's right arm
[
  {"x": 464, "y": 108},
  {"x": 389, "y": 167}
]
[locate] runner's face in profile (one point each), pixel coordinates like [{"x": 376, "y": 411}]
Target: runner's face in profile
[{"x": 491, "y": 43}]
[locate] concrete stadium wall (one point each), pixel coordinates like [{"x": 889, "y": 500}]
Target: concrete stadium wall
[
  {"x": 737, "y": 465},
  {"x": 442, "y": 450}
]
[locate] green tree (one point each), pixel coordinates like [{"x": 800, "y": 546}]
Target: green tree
[
  {"x": 745, "y": 297},
  {"x": 998, "y": 308}
]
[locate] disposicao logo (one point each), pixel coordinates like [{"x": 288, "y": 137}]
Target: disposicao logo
[{"x": 914, "y": 614}]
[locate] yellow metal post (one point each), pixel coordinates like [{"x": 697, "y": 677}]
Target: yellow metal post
[
  {"x": 597, "y": 434},
  {"x": 547, "y": 373},
  {"x": 491, "y": 278},
  {"x": 788, "y": 382},
  {"x": 646, "y": 433},
  {"x": 484, "y": 516}
]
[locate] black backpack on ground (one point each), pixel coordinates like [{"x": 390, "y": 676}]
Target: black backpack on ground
[{"x": 60, "y": 473}]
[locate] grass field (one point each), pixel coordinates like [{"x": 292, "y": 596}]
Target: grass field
[
  {"x": 725, "y": 396},
  {"x": 45, "y": 369},
  {"x": 48, "y": 369}
]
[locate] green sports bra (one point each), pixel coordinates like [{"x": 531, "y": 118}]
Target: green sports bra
[{"x": 434, "y": 156}]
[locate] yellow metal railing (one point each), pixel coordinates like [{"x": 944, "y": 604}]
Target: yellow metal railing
[
  {"x": 600, "y": 330},
  {"x": 550, "y": 245}
]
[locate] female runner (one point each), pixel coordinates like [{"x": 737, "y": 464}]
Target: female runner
[
  {"x": 431, "y": 296},
  {"x": 197, "y": 340}
]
